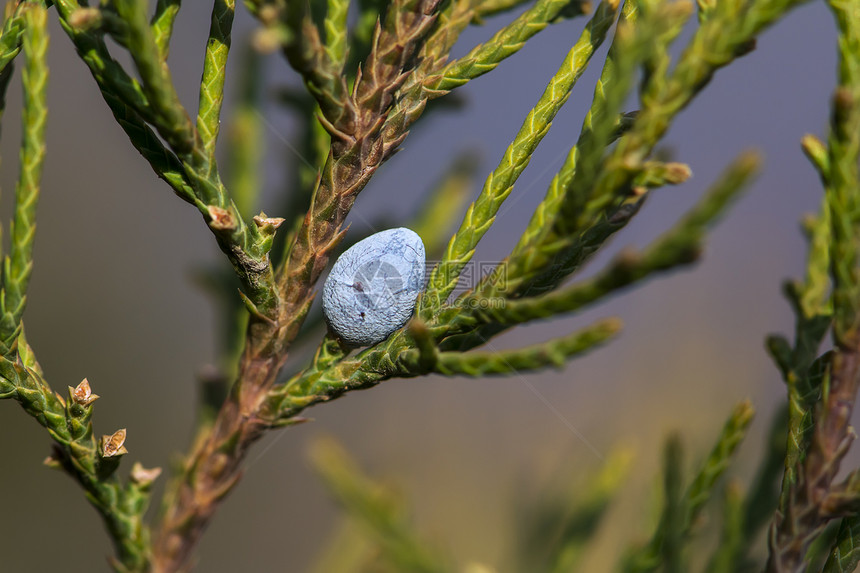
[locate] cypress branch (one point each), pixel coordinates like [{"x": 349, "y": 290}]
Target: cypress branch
[
  {"x": 500, "y": 182},
  {"x": 18, "y": 264},
  {"x": 162, "y": 25},
  {"x": 506, "y": 42},
  {"x": 170, "y": 117},
  {"x": 212, "y": 85}
]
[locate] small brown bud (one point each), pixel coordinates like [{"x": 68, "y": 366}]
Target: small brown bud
[
  {"x": 222, "y": 219},
  {"x": 264, "y": 222},
  {"x": 113, "y": 445},
  {"x": 83, "y": 394},
  {"x": 142, "y": 476}
]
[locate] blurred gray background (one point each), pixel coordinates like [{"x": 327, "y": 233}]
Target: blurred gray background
[{"x": 112, "y": 300}]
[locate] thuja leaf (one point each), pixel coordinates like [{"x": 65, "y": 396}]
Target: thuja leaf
[
  {"x": 335, "y": 27},
  {"x": 815, "y": 295},
  {"x": 500, "y": 182},
  {"x": 212, "y": 84},
  {"x": 534, "y": 250},
  {"x": 553, "y": 246},
  {"x": 845, "y": 555},
  {"x": 554, "y": 352},
  {"x": 18, "y": 264},
  {"x": 486, "y": 8},
  {"x": 843, "y": 201},
  {"x": 109, "y": 74},
  {"x": 10, "y": 36},
  {"x": 679, "y": 246},
  {"x": 172, "y": 121},
  {"x": 599, "y": 181},
  {"x": 485, "y": 57},
  {"x": 26, "y": 354},
  {"x": 162, "y": 24}
]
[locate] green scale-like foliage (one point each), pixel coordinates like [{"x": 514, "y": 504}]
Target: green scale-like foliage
[
  {"x": 18, "y": 264},
  {"x": 500, "y": 183},
  {"x": 368, "y": 70}
]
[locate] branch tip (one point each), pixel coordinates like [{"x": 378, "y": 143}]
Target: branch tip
[
  {"x": 82, "y": 394},
  {"x": 114, "y": 445}
]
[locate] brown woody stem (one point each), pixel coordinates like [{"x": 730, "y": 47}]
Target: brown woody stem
[{"x": 809, "y": 510}]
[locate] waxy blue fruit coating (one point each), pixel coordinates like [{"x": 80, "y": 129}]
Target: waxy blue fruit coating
[{"x": 372, "y": 287}]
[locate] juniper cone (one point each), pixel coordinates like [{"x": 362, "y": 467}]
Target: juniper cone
[
  {"x": 372, "y": 287},
  {"x": 369, "y": 70}
]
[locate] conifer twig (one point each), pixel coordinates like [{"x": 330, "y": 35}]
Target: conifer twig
[
  {"x": 215, "y": 466},
  {"x": 68, "y": 421},
  {"x": 162, "y": 25},
  {"x": 18, "y": 263},
  {"x": 500, "y": 183},
  {"x": 811, "y": 499},
  {"x": 11, "y": 34},
  {"x": 485, "y": 57},
  {"x": 681, "y": 506}
]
